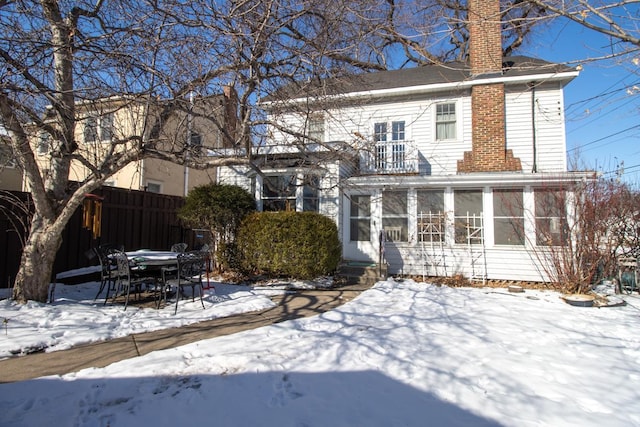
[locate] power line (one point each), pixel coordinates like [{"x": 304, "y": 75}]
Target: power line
[{"x": 604, "y": 137}]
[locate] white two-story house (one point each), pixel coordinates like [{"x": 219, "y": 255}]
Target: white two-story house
[{"x": 441, "y": 170}]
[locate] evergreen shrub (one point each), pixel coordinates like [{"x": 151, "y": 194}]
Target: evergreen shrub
[{"x": 299, "y": 245}]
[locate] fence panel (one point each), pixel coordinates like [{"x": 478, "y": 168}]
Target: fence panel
[{"x": 135, "y": 219}]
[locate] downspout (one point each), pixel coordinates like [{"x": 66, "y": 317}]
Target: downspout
[{"x": 532, "y": 85}]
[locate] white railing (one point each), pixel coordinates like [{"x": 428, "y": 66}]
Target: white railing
[{"x": 391, "y": 157}]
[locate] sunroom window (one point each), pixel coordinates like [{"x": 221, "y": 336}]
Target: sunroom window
[
  {"x": 431, "y": 218},
  {"x": 551, "y": 217},
  {"x": 394, "y": 215},
  {"x": 468, "y": 216},
  {"x": 508, "y": 217}
]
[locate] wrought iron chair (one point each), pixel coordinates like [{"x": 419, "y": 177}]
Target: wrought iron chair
[
  {"x": 107, "y": 267},
  {"x": 179, "y": 247},
  {"x": 191, "y": 265},
  {"x": 125, "y": 275}
]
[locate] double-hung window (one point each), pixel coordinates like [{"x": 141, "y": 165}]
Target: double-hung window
[
  {"x": 315, "y": 128},
  {"x": 106, "y": 127},
  {"x": 445, "y": 121},
  {"x": 90, "y": 129},
  {"x": 43, "y": 144},
  {"x": 98, "y": 128}
]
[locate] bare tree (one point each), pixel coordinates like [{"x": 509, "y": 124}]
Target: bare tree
[
  {"x": 618, "y": 20},
  {"x": 582, "y": 231},
  {"x": 61, "y": 58}
]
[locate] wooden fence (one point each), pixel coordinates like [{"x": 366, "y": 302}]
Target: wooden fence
[{"x": 134, "y": 219}]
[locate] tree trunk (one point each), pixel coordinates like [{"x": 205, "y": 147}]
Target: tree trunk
[{"x": 36, "y": 266}]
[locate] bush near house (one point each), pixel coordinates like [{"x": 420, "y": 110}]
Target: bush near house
[
  {"x": 300, "y": 245},
  {"x": 219, "y": 208}
]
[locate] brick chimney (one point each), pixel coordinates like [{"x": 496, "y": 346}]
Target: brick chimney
[
  {"x": 488, "y": 145},
  {"x": 230, "y": 105}
]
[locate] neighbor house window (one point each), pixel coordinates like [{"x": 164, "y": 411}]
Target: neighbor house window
[
  {"x": 445, "y": 121},
  {"x": 360, "y": 219},
  {"x": 90, "y": 129},
  {"x": 154, "y": 187},
  {"x": 279, "y": 193},
  {"x": 551, "y": 217},
  {"x": 43, "y": 144},
  {"x": 195, "y": 143},
  {"x": 430, "y": 218},
  {"x": 7, "y": 159},
  {"x": 394, "y": 215},
  {"x": 508, "y": 217},
  {"x": 310, "y": 191},
  {"x": 106, "y": 127},
  {"x": 468, "y": 216},
  {"x": 98, "y": 128}
]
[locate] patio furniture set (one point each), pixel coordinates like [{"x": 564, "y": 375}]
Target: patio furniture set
[{"x": 163, "y": 273}]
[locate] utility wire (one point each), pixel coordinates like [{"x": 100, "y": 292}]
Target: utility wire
[{"x": 603, "y": 138}]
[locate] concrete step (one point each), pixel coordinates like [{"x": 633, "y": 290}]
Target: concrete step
[{"x": 362, "y": 273}]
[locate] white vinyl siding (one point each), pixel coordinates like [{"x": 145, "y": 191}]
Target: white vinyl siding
[{"x": 548, "y": 134}]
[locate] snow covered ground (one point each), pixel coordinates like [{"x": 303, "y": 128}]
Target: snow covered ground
[{"x": 401, "y": 354}]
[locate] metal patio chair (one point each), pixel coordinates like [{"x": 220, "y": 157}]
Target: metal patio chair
[{"x": 191, "y": 265}]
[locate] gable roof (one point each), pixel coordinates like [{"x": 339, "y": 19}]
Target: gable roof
[{"x": 442, "y": 75}]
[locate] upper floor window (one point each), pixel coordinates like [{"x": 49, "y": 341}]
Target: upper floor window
[
  {"x": 508, "y": 217},
  {"x": 106, "y": 127},
  {"x": 90, "y": 129},
  {"x": 315, "y": 128},
  {"x": 195, "y": 143},
  {"x": 43, "y": 143},
  {"x": 445, "y": 121},
  {"x": 98, "y": 128},
  {"x": 390, "y": 156}
]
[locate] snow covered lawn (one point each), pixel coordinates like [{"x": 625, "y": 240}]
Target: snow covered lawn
[{"x": 401, "y": 354}]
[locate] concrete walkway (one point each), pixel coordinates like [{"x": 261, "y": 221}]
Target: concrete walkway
[{"x": 289, "y": 306}]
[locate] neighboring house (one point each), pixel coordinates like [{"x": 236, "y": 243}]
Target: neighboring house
[
  {"x": 10, "y": 172},
  {"x": 116, "y": 119},
  {"x": 450, "y": 169}
]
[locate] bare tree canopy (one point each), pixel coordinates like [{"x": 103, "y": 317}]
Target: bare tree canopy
[
  {"x": 619, "y": 20},
  {"x": 62, "y": 59}
]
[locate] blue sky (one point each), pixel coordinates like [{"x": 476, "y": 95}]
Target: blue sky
[{"x": 602, "y": 105}]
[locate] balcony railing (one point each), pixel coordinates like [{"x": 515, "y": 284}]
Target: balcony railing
[{"x": 391, "y": 157}]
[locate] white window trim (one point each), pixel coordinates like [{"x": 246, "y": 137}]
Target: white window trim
[{"x": 434, "y": 114}]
